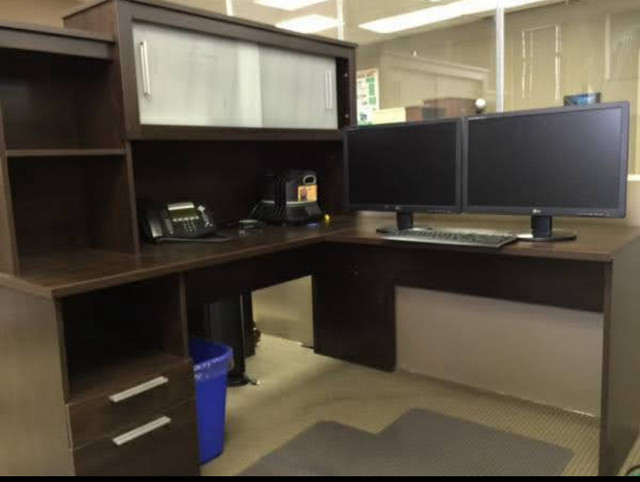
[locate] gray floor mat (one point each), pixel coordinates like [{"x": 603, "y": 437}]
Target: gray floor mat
[
  {"x": 327, "y": 448},
  {"x": 418, "y": 443}
]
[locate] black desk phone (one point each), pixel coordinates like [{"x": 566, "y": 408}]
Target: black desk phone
[{"x": 179, "y": 222}]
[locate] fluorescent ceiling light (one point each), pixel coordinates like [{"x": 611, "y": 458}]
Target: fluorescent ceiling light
[
  {"x": 437, "y": 14},
  {"x": 309, "y": 24},
  {"x": 289, "y": 5}
]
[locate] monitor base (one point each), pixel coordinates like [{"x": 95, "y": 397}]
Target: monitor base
[
  {"x": 555, "y": 236},
  {"x": 542, "y": 232},
  {"x": 404, "y": 222},
  {"x": 394, "y": 229}
]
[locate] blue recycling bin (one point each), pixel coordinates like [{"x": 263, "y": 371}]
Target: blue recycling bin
[{"x": 212, "y": 362}]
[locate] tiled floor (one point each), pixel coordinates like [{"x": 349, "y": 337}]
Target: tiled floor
[{"x": 299, "y": 388}]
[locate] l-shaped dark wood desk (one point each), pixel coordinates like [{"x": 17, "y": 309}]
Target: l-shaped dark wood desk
[{"x": 355, "y": 274}]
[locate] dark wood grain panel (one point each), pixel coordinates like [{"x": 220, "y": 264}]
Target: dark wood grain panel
[
  {"x": 229, "y": 176},
  {"x": 209, "y": 284},
  {"x": 34, "y": 436},
  {"x": 108, "y": 92},
  {"x": 168, "y": 451},
  {"x": 50, "y": 206},
  {"x": 52, "y": 102},
  {"x": 9, "y": 253},
  {"x": 130, "y": 204},
  {"x": 71, "y": 33},
  {"x": 91, "y": 418},
  {"x": 67, "y": 42},
  {"x": 553, "y": 282},
  {"x": 63, "y": 203},
  {"x": 620, "y": 420},
  {"x": 111, "y": 216},
  {"x": 249, "y": 134},
  {"x": 347, "y": 91},
  {"x": 99, "y": 107},
  {"x": 94, "y": 17},
  {"x": 52, "y": 154},
  {"x": 38, "y": 97},
  {"x": 354, "y": 306},
  {"x": 170, "y": 313}
]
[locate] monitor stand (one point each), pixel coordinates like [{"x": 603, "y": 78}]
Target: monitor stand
[
  {"x": 542, "y": 231},
  {"x": 404, "y": 221}
]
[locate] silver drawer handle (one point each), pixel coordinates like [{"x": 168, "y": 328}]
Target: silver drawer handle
[
  {"x": 144, "y": 62},
  {"x": 125, "y": 438},
  {"x": 328, "y": 86},
  {"x": 142, "y": 388}
]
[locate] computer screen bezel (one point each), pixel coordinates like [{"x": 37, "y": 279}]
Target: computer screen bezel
[
  {"x": 408, "y": 208},
  {"x": 618, "y": 212}
]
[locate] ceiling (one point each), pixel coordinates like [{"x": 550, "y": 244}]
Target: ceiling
[{"x": 356, "y": 12}]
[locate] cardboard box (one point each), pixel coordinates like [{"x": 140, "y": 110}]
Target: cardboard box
[{"x": 453, "y": 106}]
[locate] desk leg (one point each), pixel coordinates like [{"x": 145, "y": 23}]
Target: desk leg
[
  {"x": 354, "y": 314},
  {"x": 621, "y": 362}
]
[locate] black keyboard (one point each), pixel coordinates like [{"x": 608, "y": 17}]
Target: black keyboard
[{"x": 482, "y": 239}]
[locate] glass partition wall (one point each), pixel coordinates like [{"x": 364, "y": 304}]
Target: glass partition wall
[
  {"x": 422, "y": 59},
  {"x": 575, "y": 51}
]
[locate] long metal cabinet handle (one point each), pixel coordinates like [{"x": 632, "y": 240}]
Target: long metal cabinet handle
[
  {"x": 144, "y": 62},
  {"x": 139, "y": 389},
  {"x": 125, "y": 438},
  {"x": 328, "y": 85}
]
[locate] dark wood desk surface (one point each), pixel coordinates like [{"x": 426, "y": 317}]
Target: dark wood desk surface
[
  {"x": 596, "y": 241},
  {"x": 81, "y": 270},
  {"x": 67, "y": 273}
]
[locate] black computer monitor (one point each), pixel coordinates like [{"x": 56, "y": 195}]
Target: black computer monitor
[
  {"x": 569, "y": 161},
  {"x": 404, "y": 168}
]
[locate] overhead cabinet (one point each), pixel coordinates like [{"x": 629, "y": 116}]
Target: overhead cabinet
[
  {"x": 192, "y": 79},
  {"x": 298, "y": 90},
  {"x": 187, "y": 78}
]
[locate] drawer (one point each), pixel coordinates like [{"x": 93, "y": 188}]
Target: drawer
[
  {"x": 92, "y": 418},
  {"x": 163, "y": 444}
]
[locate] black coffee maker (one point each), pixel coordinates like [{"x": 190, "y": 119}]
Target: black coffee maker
[{"x": 290, "y": 197}]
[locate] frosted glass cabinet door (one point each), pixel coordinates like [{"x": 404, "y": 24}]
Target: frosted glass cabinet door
[
  {"x": 298, "y": 90},
  {"x": 191, "y": 79}
]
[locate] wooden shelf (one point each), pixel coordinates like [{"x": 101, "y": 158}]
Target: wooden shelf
[
  {"x": 44, "y": 153},
  {"x": 67, "y": 42},
  {"x": 188, "y": 133}
]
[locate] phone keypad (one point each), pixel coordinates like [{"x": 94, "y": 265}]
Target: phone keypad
[{"x": 189, "y": 227}]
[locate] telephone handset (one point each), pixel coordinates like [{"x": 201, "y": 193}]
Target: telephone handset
[{"x": 179, "y": 222}]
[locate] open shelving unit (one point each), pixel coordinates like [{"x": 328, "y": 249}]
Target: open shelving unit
[
  {"x": 120, "y": 334},
  {"x": 63, "y": 162}
]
